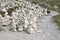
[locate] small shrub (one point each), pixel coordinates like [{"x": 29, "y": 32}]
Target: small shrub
[
  {"x": 48, "y": 11},
  {"x": 2, "y": 13},
  {"x": 10, "y": 10},
  {"x": 16, "y": 0},
  {"x": 16, "y": 7}
]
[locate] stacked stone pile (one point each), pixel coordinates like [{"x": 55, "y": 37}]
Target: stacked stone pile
[{"x": 20, "y": 15}]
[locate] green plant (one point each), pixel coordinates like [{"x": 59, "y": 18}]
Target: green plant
[{"x": 10, "y": 10}]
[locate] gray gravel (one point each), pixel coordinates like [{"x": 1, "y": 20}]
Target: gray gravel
[{"x": 47, "y": 30}]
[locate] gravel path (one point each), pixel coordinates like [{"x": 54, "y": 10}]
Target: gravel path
[{"x": 47, "y": 30}]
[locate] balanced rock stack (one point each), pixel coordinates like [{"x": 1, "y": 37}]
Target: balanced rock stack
[{"x": 20, "y": 15}]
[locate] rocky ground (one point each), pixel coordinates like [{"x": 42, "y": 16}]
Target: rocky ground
[
  {"x": 47, "y": 30},
  {"x": 20, "y": 15},
  {"x": 46, "y": 27}
]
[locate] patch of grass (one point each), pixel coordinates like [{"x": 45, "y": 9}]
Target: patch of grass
[
  {"x": 57, "y": 20},
  {"x": 49, "y": 7},
  {"x": 1, "y": 29},
  {"x": 58, "y": 10}
]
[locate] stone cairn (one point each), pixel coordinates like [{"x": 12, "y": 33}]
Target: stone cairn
[{"x": 20, "y": 15}]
